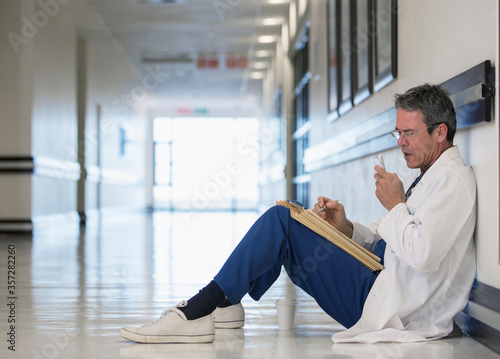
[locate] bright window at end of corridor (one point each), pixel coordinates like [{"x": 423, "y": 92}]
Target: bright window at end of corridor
[{"x": 206, "y": 163}]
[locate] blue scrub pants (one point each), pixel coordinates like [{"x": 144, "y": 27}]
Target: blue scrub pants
[{"x": 338, "y": 282}]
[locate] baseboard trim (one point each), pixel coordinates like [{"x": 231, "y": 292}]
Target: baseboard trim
[
  {"x": 488, "y": 297},
  {"x": 485, "y": 295},
  {"x": 16, "y": 226},
  {"x": 481, "y": 332},
  {"x": 40, "y": 166},
  {"x": 67, "y": 221}
]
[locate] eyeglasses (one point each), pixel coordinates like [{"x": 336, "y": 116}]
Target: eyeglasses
[{"x": 408, "y": 136}]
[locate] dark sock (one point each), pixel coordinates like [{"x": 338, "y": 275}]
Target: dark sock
[
  {"x": 225, "y": 303},
  {"x": 204, "y": 302}
]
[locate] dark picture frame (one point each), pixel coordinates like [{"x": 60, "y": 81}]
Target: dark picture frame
[
  {"x": 345, "y": 52},
  {"x": 333, "y": 9},
  {"x": 362, "y": 51},
  {"x": 385, "y": 26},
  {"x": 362, "y": 54}
]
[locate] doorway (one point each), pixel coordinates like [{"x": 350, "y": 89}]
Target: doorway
[{"x": 206, "y": 164}]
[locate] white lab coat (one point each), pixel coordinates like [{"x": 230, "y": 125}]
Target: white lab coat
[{"x": 429, "y": 259}]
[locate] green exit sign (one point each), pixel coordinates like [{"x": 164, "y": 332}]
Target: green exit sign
[{"x": 201, "y": 111}]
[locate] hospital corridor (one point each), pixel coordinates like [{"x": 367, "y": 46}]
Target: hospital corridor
[{"x": 144, "y": 145}]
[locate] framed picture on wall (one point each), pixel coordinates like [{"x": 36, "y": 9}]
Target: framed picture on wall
[
  {"x": 344, "y": 58},
  {"x": 362, "y": 50},
  {"x": 333, "y": 69},
  {"x": 384, "y": 41}
]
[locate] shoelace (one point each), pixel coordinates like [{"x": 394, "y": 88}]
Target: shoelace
[{"x": 166, "y": 313}]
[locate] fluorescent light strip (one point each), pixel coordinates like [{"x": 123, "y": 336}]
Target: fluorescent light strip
[
  {"x": 265, "y": 39},
  {"x": 272, "y": 21}
]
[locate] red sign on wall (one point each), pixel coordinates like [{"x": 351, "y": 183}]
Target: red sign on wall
[
  {"x": 207, "y": 61},
  {"x": 183, "y": 111},
  {"x": 236, "y": 62}
]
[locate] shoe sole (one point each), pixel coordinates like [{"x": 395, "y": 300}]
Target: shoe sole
[
  {"x": 163, "y": 339},
  {"x": 230, "y": 325}
]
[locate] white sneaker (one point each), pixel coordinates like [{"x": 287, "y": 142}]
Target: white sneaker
[
  {"x": 232, "y": 317},
  {"x": 173, "y": 327}
]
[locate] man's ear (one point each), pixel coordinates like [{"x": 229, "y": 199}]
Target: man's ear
[{"x": 442, "y": 132}]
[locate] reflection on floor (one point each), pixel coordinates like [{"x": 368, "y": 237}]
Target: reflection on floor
[{"x": 74, "y": 291}]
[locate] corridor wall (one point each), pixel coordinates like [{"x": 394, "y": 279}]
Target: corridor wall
[
  {"x": 437, "y": 40},
  {"x": 50, "y": 140}
]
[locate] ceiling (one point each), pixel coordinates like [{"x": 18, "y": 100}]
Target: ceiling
[{"x": 186, "y": 37}]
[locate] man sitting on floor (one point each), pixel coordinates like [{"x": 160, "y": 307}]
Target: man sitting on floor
[{"x": 427, "y": 249}]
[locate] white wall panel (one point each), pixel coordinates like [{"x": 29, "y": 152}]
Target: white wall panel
[{"x": 436, "y": 41}]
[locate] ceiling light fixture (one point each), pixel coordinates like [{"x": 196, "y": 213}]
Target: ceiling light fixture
[
  {"x": 265, "y": 39},
  {"x": 257, "y": 75},
  {"x": 270, "y": 21},
  {"x": 263, "y": 53},
  {"x": 259, "y": 65}
]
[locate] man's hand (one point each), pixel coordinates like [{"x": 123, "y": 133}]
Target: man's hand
[
  {"x": 334, "y": 215},
  {"x": 390, "y": 190}
]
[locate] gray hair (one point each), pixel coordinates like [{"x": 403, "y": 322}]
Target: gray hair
[{"x": 434, "y": 103}]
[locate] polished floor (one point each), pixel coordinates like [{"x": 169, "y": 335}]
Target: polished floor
[{"x": 75, "y": 289}]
